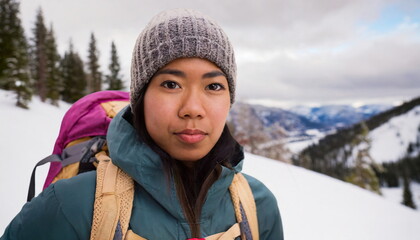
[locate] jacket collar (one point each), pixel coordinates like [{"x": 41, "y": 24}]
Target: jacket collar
[{"x": 145, "y": 167}]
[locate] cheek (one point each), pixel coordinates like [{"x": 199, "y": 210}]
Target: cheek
[
  {"x": 155, "y": 114},
  {"x": 219, "y": 114}
]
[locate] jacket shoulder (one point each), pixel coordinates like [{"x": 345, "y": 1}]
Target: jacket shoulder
[
  {"x": 261, "y": 193},
  {"x": 62, "y": 211},
  {"x": 77, "y": 196},
  {"x": 269, "y": 219}
]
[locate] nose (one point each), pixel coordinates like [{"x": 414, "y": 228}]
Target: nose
[{"x": 192, "y": 106}]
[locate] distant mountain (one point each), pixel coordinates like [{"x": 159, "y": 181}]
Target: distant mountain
[
  {"x": 289, "y": 120},
  {"x": 338, "y": 116},
  {"x": 298, "y": 120}
]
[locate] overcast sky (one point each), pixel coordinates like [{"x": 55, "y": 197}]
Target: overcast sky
[{"x": 288, "y": 51}]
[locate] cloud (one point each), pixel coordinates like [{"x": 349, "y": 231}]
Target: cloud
[
  {"x": 356, "y": 64},
  {"x": 286, "y": 49}
]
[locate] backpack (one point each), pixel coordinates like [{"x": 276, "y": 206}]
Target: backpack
[
  {"x": 81, "y": 146},
  {"x": 82, "y": 135}
]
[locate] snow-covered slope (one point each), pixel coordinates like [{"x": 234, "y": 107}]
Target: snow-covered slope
[
  {"x": 27, "y": 136},
  {"x": 312, "y": 205},
  {"x": 390, "y": 141},
  {"x": 315, "y": 206}
]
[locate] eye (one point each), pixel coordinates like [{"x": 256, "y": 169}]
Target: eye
[
  {"x": 170, "y": 85},
  {"x": 215, "y": 87}
]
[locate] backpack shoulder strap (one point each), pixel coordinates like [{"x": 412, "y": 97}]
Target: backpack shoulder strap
[
  {"x": 113, "y": 201},
  {"x": 245, "y": 208}
]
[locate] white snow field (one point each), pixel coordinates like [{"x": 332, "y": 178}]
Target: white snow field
[{"x": 390, "y": 141}]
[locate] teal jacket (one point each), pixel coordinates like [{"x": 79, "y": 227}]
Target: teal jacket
[{"x": 64, "y": 210}]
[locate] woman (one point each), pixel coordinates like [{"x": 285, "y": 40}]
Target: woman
[{"x": 172, "y": 140}]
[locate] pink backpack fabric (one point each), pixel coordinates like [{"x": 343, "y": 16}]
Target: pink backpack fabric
[{"x": 85, "y": 118}]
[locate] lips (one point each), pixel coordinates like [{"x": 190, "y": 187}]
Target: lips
[{"x": 190, "y": 135}]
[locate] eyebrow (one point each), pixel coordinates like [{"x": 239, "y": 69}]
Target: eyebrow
[
  {"x": 178, "y": 73},
  {"x": 214, "y": 74}
]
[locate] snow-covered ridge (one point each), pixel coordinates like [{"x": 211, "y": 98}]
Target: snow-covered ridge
[
  {"x": 390, "y": 141},
  {"x": 313, "y": 206}
]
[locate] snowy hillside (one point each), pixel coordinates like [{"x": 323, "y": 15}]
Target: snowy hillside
[
  {"x": 27, "y": 136},
  {"x": 390, "y": 141},
  {"x": 313, "y": 206}
]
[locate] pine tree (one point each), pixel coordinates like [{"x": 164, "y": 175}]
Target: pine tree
[
  {"x": 20, "y": 74},
  {"x": 14, "y": 68},
  {"x": 114, "y": 79},
  {"x": 53, "y": 79},
  {"x": 363, "y": 174},
  {"x": 8, "y": 31},
  {"x": 94, "y": 75},
  {"x": 73, "y": 76},
  {"x": 407, "y": 195},
  {"x": 39, "y": 56}
]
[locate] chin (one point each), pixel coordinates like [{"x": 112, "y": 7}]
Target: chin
[{"x": 189, "y": 157}]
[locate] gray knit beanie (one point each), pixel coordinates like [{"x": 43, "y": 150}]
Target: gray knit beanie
[{"x": 179, "y": 33}]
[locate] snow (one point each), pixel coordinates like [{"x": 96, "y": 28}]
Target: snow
[
  {"x": 298, "y": 143},
  {"x": 313, "y": 206},
  {"x": 27, "y": 136},
  {"x": 395, "y": 194},
  {"x": 390, "y": 141},
  {"x": 297, "y": 146}
]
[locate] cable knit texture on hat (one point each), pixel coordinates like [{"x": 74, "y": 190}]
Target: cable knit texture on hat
[{"x": 176, "y": 34}]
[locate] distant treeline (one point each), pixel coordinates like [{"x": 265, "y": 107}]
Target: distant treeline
[{"x": 33, "y": 65}]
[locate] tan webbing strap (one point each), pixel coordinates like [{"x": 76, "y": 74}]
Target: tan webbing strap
[
  {"x": 113, "y": 199},
  {"x": 231, "y": 234},
  {"x": 133, "y": 236},
  {"x": 242, "y": 195}
]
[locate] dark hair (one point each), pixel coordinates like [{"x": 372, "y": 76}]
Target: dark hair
[{"x": 192, "y": 183}]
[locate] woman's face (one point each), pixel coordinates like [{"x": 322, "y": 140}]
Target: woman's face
[{"x": 185, "y": 107}]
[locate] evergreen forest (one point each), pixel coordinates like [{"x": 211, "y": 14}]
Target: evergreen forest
[{"x": 31, "y": 65}]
